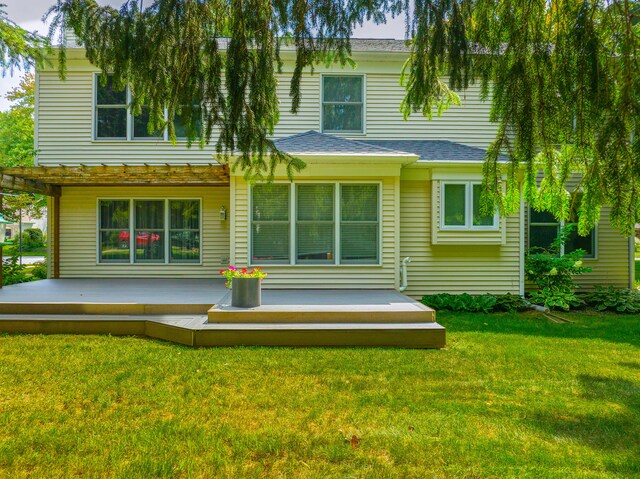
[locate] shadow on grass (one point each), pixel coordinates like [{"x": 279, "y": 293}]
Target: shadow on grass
[
  {"x": 613, "y": 424},
  {"x": 619, "y": 328}
]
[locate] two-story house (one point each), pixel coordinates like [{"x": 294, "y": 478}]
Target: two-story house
[{"x": 377, "y": 189}]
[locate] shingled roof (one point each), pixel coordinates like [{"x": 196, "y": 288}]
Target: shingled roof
[
  {"x": 434, "y": 150},
  {"x": 315, "y": 143}
]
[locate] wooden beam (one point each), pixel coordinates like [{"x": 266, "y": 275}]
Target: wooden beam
[
  {"x": 29, "y": 186},
  {"x": 56, "y": 237}
]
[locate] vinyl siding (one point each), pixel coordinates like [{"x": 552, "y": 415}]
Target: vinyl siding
[
  {"x": 65, "y": 115},
  {"x": 436, "y": 268},
  {"x": 78, "y": 234},
  {"x": 345, "y": 276}
]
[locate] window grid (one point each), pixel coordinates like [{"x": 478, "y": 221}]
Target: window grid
[
  {"x": 468, "y": 209},
  {"x": 360, "y": 103}
]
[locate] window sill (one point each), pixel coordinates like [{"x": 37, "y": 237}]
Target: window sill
[
  {"x": 150, "y": 264},
  {"x": 276, "y": 265}
]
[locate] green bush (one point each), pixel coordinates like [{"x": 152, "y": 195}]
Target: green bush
[
  {"x": 621, "y": 300},
  {"x": 39, "y": 270},
  {"x": 485, "y": 303},
  {"x": 32, "y": 239},
  {"x": 553, "y": 274},
  {"x": 13, "y": 272}
]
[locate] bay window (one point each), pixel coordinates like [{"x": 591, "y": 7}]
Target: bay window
[
  {"x": 315, "y": 224},
  {"x": 136, "y": 231},
  {"x": 461, "y": 207}
]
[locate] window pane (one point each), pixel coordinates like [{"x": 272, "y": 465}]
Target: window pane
[
  {"x": 478, "y": 218},
  {"x": 111, "y": 123},
  {"x": 359, "y": 202},
  {"x": 149, "y": 246},
  {"x": 140, "y": 123},
  {"x": 114, "y": 214},
  {"x": 315, "y": 202},
  {"x": 114, "y": 246},
  {"x": 270, "y": 242},
  {"x": 107, "y": 95},
  {"x": 454, "y": 205},
  {"x": 271, "y": 203},
  {"x": 542, "y": 217},
  {"x": 575, "y": 241},
  {"x": 359, "y": 243},
  {"x": 342, "y": 117},
  {"x": 542, "y": 236},
  {"x": 181, "y": 125},
  {"x": 185, "y": 246},
  {"x": 315, "y": 242},
  {"x": 184, "y": 214},
  {"x": 149, "y": 214},
  {"x": 342, "y": 88}
]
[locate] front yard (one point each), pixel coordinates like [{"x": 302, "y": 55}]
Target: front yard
[{"x": 512, "y": 396}]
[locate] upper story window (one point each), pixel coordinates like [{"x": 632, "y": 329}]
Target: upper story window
[
  {"x": 114, "y": 120},
  {"x": 544, "y": 228},
  {"x": 343, "y": 103},
  {"x": 461, "y": 208}
]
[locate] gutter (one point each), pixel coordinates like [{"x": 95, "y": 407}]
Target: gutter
[{"x": 404, "y": 282}]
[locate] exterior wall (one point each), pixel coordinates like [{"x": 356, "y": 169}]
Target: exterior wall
[
  {"x": 447, "y": 268},
  {"x": 383, "y": 276},
  {"x": 78, "y": 232},
  {"x": 611, "y": 266},
  {"x": 64, "y": 110}
]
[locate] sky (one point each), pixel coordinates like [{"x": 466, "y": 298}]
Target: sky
[{"x": 28, "y": 14}]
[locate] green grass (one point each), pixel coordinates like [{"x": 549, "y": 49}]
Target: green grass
[
  {"x": 511, "y": 397},
  {"x": 9, "y": 250}
]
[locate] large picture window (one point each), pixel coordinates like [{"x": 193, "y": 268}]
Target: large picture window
[
  {"x": 461, "y": 207},
  {"x": 114, "y": 120},
  {"x": 332, "y": 224},
  {"x": 136, "y": 231},
  {"x": 544, "y": 228},
  {"x": 343, "y": 103}
]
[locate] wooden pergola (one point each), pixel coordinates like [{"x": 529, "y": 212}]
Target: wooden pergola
[{"x": 50, "y": 180}]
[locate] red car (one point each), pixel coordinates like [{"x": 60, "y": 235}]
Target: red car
[{"x": 143, "y": 238}]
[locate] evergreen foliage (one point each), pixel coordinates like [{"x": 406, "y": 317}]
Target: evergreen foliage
[
  {"x": 562, "y": 76},
  {"x": 19, "y": 49}
]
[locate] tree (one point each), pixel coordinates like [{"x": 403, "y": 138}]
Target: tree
[
  {"x": 16, "y": 146},
  {"x": 562, "y": 76},
  {"x": 19, "y": 48}
]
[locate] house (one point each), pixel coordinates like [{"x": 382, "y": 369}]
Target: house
[{"x": 377, "y": 189}]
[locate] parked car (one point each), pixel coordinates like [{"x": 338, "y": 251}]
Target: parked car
[{"x": 143, "y": 239}]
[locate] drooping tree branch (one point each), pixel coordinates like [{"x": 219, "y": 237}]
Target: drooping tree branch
[{"x": 19, "y": 48}]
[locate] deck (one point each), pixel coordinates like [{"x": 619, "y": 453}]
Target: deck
[{"x": 196, "y": 312}]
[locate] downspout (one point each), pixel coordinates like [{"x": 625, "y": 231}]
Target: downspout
[
  {"x": 403, "y": 274},
  {"x": 632, "y": 262}
]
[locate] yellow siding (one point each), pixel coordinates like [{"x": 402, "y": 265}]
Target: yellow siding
[
  {"x": 298, "y": 276},
  {"x": 65, "y": 116},
  {"x": 78, "y": 216},
  {"x": 474, "y": 268}
]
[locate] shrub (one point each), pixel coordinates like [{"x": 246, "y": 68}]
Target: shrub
[
  {"x": 39, "y": 270},
  {"x": 485, "y": 303},
  {"x": 621, "y": 300},
  {"x": 32, "y": 239},
  {"x": 13, "y": 272},
  {"x": 553, "y": 274}
]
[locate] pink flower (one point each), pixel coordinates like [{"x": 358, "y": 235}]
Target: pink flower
[{"x": 232, "y": 268}]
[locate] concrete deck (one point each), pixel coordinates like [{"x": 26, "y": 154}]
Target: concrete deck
[{"x": 196, "y": 313}]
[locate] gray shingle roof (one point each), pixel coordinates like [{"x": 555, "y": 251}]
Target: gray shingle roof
[
  {"x": 313, "y": 142},
  {"x": 434, "y": 150}
]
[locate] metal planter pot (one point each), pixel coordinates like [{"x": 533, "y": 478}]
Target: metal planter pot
[{"x": 245, "y": 292}]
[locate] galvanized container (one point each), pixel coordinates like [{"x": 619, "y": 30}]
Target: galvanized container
[{"x": 245, "y": 292}]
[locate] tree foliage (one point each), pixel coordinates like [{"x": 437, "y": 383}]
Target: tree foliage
[
  {"x": 562, "y": 77},
  {"x": 19, "y": 48}
]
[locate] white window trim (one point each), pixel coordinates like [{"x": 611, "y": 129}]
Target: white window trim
[
  {"x": 468, "y": 209},
  {"x": 363, "y": 131},
  {"x": 130, "y": 136},
  {"x": 560, "y": 225},
  {"x": 292, "y": 231},
  {"x": 167, "y": 230}
]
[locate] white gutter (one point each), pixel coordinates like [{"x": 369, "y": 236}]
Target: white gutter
[
  {"x": 521, "y": 244},
  {"x": 404, "y": 283},
  {"x": 632, "y": 262}
]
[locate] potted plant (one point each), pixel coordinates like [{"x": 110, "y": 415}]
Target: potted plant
[{"x": 245, "y": 286}]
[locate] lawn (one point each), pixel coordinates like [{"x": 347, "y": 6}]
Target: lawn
[{"x": 512, "y": 396}]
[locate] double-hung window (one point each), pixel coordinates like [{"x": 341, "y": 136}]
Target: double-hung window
[
  {"x": 343, "y": 103},
  {"x": 149, "y": 230},
  {"x": 115, "y": 121},
  {"x": 315, "y": 224},
  {"x": 544, "y": 229},
  {"x": 461, "y": 207}
]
